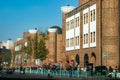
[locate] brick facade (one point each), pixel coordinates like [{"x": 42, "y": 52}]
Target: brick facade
[
  {"x": 102, "y": 35},
  {"x": 107, "y": 33}
]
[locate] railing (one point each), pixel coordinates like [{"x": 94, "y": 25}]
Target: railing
[
  {"x": 66, "y": 73},
  {"x": 72, "y": 73}
]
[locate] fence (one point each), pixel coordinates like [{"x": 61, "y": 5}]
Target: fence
[{"x": 67, "y": 73}]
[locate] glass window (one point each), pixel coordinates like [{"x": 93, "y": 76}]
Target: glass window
[
  {"x": 72, "y": 23},
  {"x": 91, "y": 16},
  {"x": 75, "y": 22},
  {"x": 67, "y": 25},
  {"x": 84, "y": 38},
  {"x": 75, "y": 40},
  {"x": 78, "y": 40},
  {"x": 94, "y": 15},
  {"x": 93, "y": 36},
  {"x": 86, "y": 17},
  {"x": 78, "y": 21}
]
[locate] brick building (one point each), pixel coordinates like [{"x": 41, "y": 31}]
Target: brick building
[
  {"x": 91, "y": 32},
  {"x": 53, "y": 44},
  {"x": 21, "y": 58}
]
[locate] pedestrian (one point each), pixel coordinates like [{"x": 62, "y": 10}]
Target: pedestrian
[
  {"x": 110, "y": 69},
  {"x": 48, "y": 72}
]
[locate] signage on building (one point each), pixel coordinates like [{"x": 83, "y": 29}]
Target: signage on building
[{"x": 105, "y": 55}]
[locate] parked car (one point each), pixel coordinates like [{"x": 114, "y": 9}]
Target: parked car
[
  {"x": 9, "y": 71},
  {"x": 101, "y": 69},
  {"x": 114, "y": 74}
]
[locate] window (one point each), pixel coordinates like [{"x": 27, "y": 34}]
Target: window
[
  {"x": 75, "y": 40},
  {"x": 94, "y": 15},
  {"x": 85, "y": 20},
  {"x": 91, "y": 16},
  {"x": 72, "y": 42},
  {"x": 86, "y": 17},
  {"x": 78, "y": 40},
  {"x": 75, "y": 22},
  {"x": 67, "y": 25},
  {"x": 67, "y": 42},
  {"x": 78, "y": 21},
  {"x": 72, "y": 23},
  {"x": 93, "y": 36},
  {"x": 86, "y": 38}
]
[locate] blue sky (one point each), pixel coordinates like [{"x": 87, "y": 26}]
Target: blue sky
[{"x": 18, "y": 16}]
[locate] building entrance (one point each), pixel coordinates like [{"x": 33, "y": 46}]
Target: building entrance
[
  {"x": 93, "y": 59},
  {"x": 77, "y": 59},
  {"x": 86, "y": 59}
]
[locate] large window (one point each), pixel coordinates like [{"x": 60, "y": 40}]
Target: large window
[
  {"x": 92, "y": 15},
  {"x": 93, "y": 36},
  {"x": 85, "y": 18},
  {"x": 85, "y": 38},
  {"x": 73, "y": 32},
  {"x": 67, "y": 42},
  {"x": 89, "y": 27},
  {"x": 77, "y": 40},
  {"x": 78, "y": 21},
  {"x": 67, "y": 25}
]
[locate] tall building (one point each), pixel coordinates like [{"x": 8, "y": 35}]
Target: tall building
[
  {"x": 91, "y": 32},
  {"x": 54, "y": 45},
  {"x": 7, "y": 44},
  {"x": 21, "y": 58}
]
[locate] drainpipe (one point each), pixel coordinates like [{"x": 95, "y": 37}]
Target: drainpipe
[
  {"x": 119, "y": 29},
  {"x": 101, "y": 29}
]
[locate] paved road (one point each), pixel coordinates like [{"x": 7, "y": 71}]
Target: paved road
[{"x": 28, "y": 76}]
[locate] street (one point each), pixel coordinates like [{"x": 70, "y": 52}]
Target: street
[
  {"x": 18, "y": 76},
  {"x": 28, "y": 76}
]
